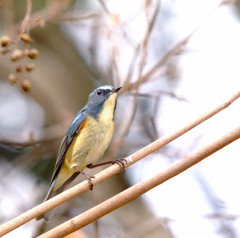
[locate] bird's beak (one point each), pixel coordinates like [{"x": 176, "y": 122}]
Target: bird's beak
[{"x": 117, "y": 89}]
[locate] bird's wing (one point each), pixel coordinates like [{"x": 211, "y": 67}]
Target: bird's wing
[{"x": 67, "y": 140}]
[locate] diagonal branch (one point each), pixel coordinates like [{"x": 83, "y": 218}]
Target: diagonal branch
[
  {"x": 110, "y": 171},
  {"x": 139, "y": 189}
]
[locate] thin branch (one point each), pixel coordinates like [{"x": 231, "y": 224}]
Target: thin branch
[
  {"x": 27, "y": 19},
  {"x": 139, "y": 189},
  {"x": 51, "y": 11},
  {"x": 157, "y": 93},
  {"x": 144, "y": 47},
  {"x": 104, "y": 6},
  {"x": 110, "y": 171},
  {"x": 175, "y": 50},
  {"x": 172, "y": 52},
  {"x": 52, "y": 132},
  {"x": 114, "y": 55}
]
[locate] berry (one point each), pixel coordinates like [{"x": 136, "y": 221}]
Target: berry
[
  {"x": 5, "y": 40},
  {"x": 26, "y": 38},
  {"x": 30, "y": 67},
  {"x": 12, "y": 79},
  {"x": 26, "y": 86},
  {"x": 16, "y": 55},
  {"x": 33, "y": 54}
]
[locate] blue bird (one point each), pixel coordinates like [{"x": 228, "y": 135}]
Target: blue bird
[{"x": 86, "y": 140}]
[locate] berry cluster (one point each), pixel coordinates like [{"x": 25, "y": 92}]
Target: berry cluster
[{"x": 20, "y": 57}]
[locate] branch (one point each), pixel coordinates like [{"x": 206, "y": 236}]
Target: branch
[
  {"x": 175, "y": 50},
  {"x": 143, "y": 48},
  {"x": 110, "y": 171},
  {"x": 27, "y": 19},
  {"x": 139, "y": 189}
]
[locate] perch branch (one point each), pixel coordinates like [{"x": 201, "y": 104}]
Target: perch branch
[
  {"x": 110, "y": 171},
  {"x": 139, "y": 189}
]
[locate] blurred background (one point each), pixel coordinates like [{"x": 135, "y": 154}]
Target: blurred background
[{"x": 175, "y": 60}]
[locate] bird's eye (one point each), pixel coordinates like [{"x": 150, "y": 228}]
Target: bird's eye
[{"x": 99, "y": 92}]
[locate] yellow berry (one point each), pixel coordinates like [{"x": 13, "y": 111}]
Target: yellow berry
[
  {"x": 26, "y": 86},
  {"x": 26, "y": 38},
  {"x": 30, "y": 67},
  {"x": 33, "y": 54},
  {"x": 19, "y": 69},
  {"x": 16, "y": 55},
  {"x": 5, "y": 40},
  {"x": 12, "y": 79}
]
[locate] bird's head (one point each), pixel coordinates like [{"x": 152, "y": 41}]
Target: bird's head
[{"x": 102, "y": 99}]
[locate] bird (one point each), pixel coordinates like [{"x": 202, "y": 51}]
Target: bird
[{"x": 85, "y": 141}]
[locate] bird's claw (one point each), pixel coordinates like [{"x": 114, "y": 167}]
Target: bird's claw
[
  {"x": 120, "y": 162},
  {"x": 89, "y": 179}
]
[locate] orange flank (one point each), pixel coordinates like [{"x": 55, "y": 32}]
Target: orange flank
[{"x": 84, "y": 124}]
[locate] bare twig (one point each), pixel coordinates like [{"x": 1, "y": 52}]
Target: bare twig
[
  {"x": 144, "y": 47},
  {"x": 52, "y": 132},
  {"x": 104, "y": 6},
  {"x": 172, "y": 52},
  {"x": 137, "y": 190},
  {"x": 114, "y": 56},
  {"x": 27, "y": 19},
  {"x": 156, "y": 94},
  {"x": 76, "y": 16},
  {"x": 51, "y": 12},
  {"x": 115, "y": 169},
  {"x": 175, "y": 50}
]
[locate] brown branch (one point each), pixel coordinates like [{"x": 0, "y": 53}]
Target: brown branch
[
  {"x": 143, "y": 47},
  {"x": 175, "y": 50},
  {"x": 52, "y": 132},
  {"x": 76, "y": 16},
  {"x": 139, "y": 189},
  {"x": 27, "y": 19},
  {"x": 115, "y": 169},
  {"x": 172, "y": 52}
]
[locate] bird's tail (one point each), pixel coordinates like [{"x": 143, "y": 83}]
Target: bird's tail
[
  {"x": 51, "y": 193},
  {"x": 48, "y": 215}
]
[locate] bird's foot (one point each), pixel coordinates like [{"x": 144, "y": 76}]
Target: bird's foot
[
  {"x": 120, "y": 162},
  {"x": 87, "y": 176}
]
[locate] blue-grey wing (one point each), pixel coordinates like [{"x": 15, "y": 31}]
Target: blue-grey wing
[{"x": 67, "y": 140}]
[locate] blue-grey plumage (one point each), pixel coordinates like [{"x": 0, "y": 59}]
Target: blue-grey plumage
[{"x": 87, "y": 138}]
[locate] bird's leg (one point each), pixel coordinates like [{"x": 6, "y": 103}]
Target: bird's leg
[
  {"x": 88, "y": 177},
  {"x": 120, "y": 162}
]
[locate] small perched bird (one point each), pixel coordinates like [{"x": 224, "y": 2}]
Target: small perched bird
[{"x": 87, "y": 138}]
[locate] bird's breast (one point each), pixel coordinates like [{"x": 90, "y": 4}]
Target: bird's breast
[{"x": 90, "y": 143}]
